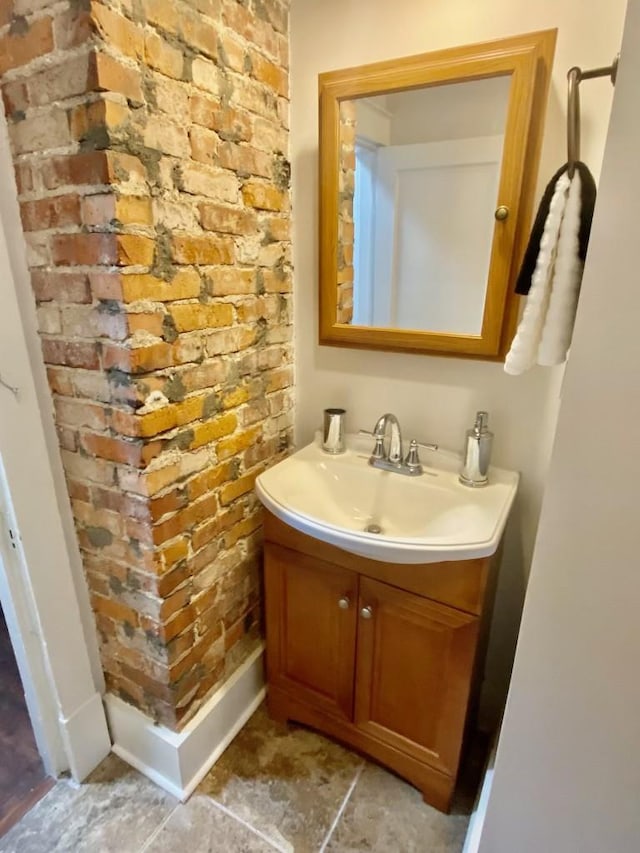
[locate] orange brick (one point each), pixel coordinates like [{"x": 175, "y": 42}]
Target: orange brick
[
  {"x": 270, "y": 74},
  {"x": 173, "y": 553},
  {"x": 212, "y": 114},
  {"x": 134, "y": 210},
  {"x": 161, "y": 56},
  {"x": 233, "y": 51},
  {"x": 119, "y": 32},
  {"x": 243, "y": 528},
  {"x": 50, "y": 212},
  {"x": 164, "y": 13},
  {"x": 211, "y": 430},
  {"x": 229, "y": 220},
  {"x": 204, "y": 145},
  {"x": 134, "y": 249},
  {"x": 198, "y": 32},
  {"x": 138, "y": 359},
  {"x": 264, "y": 196},
  {"x": 230, "y": 281},
  {"x": 19, "y": 48},
  {"x": 229, "y": 446},
  {"x": 237, "y": 488},
  {"x": 202, "y": 250},
  {"x": 208, "y": 480},
  {"x": 146, "y": 322},
  {"x": 171, "y": 502},
  {"x": 115, "y": 449},
  {"x": 111, "y": 76},
  {"x": 191, "y": 316},
  {"x": 114, "y": 609},
  {"x": 185, "y": 285}
]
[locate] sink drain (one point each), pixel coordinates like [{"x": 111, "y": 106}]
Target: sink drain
[{"x": 373, "y": 528}]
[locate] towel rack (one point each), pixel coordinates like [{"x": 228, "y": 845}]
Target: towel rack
[{"x": 574, "y": 76}]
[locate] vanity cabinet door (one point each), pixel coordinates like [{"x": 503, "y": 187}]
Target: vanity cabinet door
[
  {"x": 413, "y": 673},
  {"x": 311, "y": 629}
]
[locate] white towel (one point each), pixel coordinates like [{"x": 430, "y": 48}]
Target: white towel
[
  {"x": 565, "y": 287},
  {"x": 524, "y": 348}
]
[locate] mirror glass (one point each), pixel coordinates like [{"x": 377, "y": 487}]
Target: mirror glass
[{"x": 418, "y": 176}]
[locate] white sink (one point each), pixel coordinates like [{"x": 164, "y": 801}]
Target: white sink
[{"x": 423, "y": 519}]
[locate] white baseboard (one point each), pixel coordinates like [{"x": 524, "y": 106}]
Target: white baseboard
[
  {"x": 85, "y": 737},
  {"x": 476, "y": 822},
  {"x": 178, "y": 761}
]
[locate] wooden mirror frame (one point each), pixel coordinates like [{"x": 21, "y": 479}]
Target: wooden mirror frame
[{"x": 527, "y": 59}]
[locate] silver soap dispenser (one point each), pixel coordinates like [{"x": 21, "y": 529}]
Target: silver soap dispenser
[{"x": 477, "y": 453}]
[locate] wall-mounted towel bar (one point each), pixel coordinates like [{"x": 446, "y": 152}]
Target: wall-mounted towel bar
[{"x": 574, "y": 76}]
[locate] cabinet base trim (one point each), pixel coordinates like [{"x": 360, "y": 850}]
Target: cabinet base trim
[{"x": 436, "y": 788}]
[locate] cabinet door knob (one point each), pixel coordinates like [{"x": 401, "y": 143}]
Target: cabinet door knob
[
  {"x": 366, "y": 613},
  {"x": 502, "y": 212},
  {"x": 344, "y": 603}
]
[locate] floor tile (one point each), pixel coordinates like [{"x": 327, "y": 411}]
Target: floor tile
[
  {"x": 285, "y": 781},
  {"x": 115, "y": 811},
  {"x": 199, "y": 826},
  {"x": 386, "y": 814}
]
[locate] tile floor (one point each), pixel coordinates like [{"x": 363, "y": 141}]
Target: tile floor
[
  {"x": 275, "y": 788},
  {"x": 22, "y": 777}
]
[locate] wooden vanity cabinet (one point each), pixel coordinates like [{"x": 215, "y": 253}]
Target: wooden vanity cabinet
[{"x": 382, "y": 657}]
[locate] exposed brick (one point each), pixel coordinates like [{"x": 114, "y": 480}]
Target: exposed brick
[
  {"x": 71, "y": 353},
  {"x": 115, "y": 449},
  {"x": 264, "y": 196},
  {"x": 190, "y": 316},
  {"x": 59, "y": 286},
  {"x": 215, "y": 115},
  {"x": 162, "y": 56},
  {"x": 218, "y": 185},
  {"x": 113, "y": 76},
  {"x": 53, "y": 212},
  {"x": 119, "y": 32},
  {"x": 202, "y": 250},
  {"x": 215, "y": 217},
  {"x": 226, "y": 281},
  {"x": 19, "y": 48},
  {"x": 40, "y": 131},
  {"x": 185, "y": 285},
  {"x": 269, "y": 73},
  {"x": 150, "y": 148},
  {"x": 72, "y": 27},
  {"x": 76, "y": 169},
  {"x": 62, "y": 80}
]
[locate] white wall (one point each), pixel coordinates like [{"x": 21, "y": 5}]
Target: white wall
[
  {"x": 455, "y": 111},
  {"x": 567, "y": 774},
  {"x": 435, "y": 398},
  {"x": 42, "y": 585}
]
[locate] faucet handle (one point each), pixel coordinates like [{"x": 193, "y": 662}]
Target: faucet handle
[
  {"x": 412, "y": 461},
  {"x": 378, "y": 450}
]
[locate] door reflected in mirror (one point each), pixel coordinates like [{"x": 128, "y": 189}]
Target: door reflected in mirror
[
  {"x": 427, "y": 177},
  {"x": 419, "y": 179}
]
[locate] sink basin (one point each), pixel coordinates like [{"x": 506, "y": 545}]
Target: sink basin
[{"x": 386, "y": 516}]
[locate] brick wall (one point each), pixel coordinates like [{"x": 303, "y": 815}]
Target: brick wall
[
  {"x": 150, "y": 143},
  {"x": 346, "y": 235}
]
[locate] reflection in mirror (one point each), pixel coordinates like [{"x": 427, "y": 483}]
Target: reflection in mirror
[{"x": 418, "y": 180}]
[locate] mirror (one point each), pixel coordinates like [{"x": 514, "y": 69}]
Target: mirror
[{"x": 428, "y": 167}]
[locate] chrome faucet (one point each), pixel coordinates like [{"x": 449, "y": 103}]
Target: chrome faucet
[{"x": 392, "y": 459}]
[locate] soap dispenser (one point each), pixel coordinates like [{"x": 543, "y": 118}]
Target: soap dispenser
[{"x": 477, "y": 453}]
